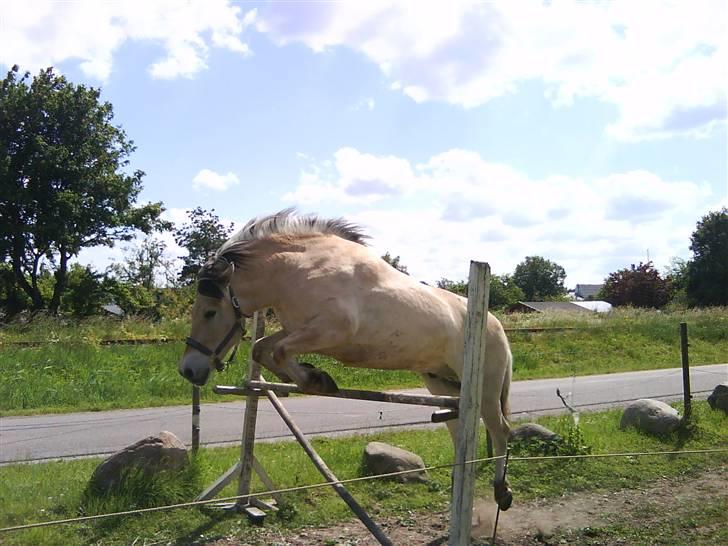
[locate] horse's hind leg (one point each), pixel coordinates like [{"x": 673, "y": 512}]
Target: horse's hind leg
[
  {"x": 493, "y": 408},
  {"x": 498, "y": 428}
]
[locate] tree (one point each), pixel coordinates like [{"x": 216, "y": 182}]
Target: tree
[
  {"x": 539, "y": 278},
  {"x": 64, "y": 184},
  {"x": 503, "y": 290},
  {"x": 707, "y": 282},
  {"x": 456, "y": 287},
  {"x": 639, "y": 286},
  {"x": 395, "y": 263},
  {"x": 201, "y": 237},
  {"x": 676, "y": 274},
  {"x": 86, "y": 291},
  {"x": 145, "y": 264}
]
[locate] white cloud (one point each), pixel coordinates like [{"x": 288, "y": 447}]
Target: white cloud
[
  {"x": 358, "y": 178},
  {"x": 661, "y": 64},
  {"x": 207, "y": 179},
  {"x": 42, "y": 33},
  {"x": 456, "y": 206}
]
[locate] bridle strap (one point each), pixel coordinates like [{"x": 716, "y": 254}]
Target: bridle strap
[{"x": 239, "y": 325}]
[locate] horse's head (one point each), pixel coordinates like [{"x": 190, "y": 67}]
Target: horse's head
[{"x": 218, "y": 324}]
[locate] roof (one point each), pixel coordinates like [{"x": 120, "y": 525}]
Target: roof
[
  {"x": 598, "y": 306},
  {"x": 587, "y": 290},
  {"x": 113, "y": 309},
  {"x": 543, "y": 306}
]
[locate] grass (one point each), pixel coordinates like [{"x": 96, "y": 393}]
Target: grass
[
  {"x": 78, "y": 374},
  {"x": 27, "y": 495}
]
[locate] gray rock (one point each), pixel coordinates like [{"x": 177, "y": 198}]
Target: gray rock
[
  {"x": 152, "y": 454},
  {"x": 381, "y": 458},
  {"x": 718, "y": 399},
  {"x": 532, "y": 431},
  {"x": 650, "y": 416}
]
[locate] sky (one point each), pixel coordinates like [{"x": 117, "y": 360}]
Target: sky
[{"x": 593, "y": 134}]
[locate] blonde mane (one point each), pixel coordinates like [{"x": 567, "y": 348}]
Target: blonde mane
[{"x": 289, "y": 223}]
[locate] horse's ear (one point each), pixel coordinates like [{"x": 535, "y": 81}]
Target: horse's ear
[{"x": 219, "y": 271}]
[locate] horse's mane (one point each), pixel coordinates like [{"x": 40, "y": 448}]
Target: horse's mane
[{"x": 290, "y": 223}]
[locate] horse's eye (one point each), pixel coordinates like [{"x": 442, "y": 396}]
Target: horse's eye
[{"x": 210, "y": 314}]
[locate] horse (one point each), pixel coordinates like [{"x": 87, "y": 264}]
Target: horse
[{"x": 333, "y": 296}]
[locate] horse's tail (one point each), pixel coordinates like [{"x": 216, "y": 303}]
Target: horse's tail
[{"x": 506, "y": 388}]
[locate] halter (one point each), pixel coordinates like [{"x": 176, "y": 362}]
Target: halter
[{"x": 238, "y": 325}]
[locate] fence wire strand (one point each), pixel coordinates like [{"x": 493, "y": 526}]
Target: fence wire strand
[{"x": 271, "y": 492}]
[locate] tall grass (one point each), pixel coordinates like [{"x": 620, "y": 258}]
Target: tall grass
[{"x": 76, "y": 373}]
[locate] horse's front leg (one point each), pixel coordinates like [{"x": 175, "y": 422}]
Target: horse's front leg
[
  {"x": 262, "y": 352},
  {"x": 319, "y": 334}
]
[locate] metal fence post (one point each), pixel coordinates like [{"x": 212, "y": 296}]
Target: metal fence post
[
  {"x": 195, "y": 418},
  {"x": 687, "y": 408}
]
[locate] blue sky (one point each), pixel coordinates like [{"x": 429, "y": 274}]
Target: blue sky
[{"x": 590, "y": 134}]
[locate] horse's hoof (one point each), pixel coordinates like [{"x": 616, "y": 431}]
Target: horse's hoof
[
  {"x": 319, "y": 382},
  {"x": 503, "y": 496}
]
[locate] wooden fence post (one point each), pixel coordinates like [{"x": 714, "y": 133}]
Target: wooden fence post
[
  {"x": 687, "y": 407},
  {"x": 471, "y": 392}
]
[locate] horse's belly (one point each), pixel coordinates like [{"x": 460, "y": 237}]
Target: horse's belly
[{"x": 387, "y": 358}]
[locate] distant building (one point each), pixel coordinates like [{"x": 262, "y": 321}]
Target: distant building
[
  {"x": 587, "y": 291},
  {"x": 595, "y": 305},
  {"x": 113, "y": 310},
  {"x": 560, "y": 307}
]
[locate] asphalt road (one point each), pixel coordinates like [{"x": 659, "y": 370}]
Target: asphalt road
[{"x": 93, "y": 433}]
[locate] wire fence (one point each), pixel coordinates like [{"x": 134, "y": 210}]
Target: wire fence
[{"x": 319, "y": 485}]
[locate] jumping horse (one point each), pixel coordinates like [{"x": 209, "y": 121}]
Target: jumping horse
[{"x": 333, "y": 296}]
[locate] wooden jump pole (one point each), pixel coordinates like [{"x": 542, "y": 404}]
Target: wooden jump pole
[
  {"x": 259, "y": 388},
  {"x": 687, "y": 406},
  {"x": 471, "y": 392}
]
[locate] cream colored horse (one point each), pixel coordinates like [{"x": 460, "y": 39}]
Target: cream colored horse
[{"x": 334, "y": 297}]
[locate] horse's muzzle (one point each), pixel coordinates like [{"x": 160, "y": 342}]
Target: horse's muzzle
[{"x": 197, "y": 376}]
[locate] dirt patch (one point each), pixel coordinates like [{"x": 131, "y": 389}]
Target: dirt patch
[{"x": 544, "y": 521}]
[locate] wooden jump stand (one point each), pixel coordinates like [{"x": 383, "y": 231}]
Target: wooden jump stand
[{"x": 466, "y": 407}]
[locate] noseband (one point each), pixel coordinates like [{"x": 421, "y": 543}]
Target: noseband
[{"x": 238, "y": 326}]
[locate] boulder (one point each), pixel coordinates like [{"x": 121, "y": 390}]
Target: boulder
[
  {"x": 531, "y": 431},
  {"x": 152, "y": 454},
  {"x": 650, "y": 416},
  {"x": 381, "y": 458},
  {"x": 718, "y": 399}
]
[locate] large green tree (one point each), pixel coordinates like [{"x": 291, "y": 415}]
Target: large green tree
[
  {"x": 201, "y": 236},
  {"x": 64, "y": 179},
  {"x": 539, "y": 278},
  {"x": 707, "y": 282}
]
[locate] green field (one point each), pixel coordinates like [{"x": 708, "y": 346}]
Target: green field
[
  {"x": 76, "y": 373},
  {"x": 27, "y": 496}
]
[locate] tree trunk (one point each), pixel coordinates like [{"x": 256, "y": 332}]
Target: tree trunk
[
  {"x": 61, "y": 280},
  {"x": 31, "y": 290}
]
